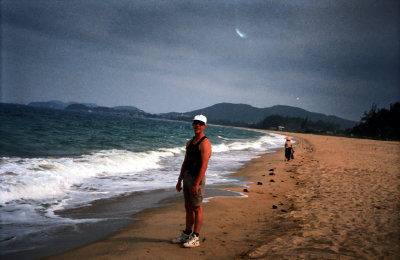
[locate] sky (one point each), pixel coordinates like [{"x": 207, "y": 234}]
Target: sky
[{"x": 333, "y": 57}]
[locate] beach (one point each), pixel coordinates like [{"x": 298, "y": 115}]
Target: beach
[{"x": 338, "y": 199}]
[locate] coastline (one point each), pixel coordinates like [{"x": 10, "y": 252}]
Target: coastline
[
  {"x": 338, "y": 199},
  {"x": 148, "y": 237},
  {"x": 107, "y": 216}
]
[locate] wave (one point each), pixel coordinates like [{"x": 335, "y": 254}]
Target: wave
[
  {"x": 113, "y": 171},
  {"x": 262, "y": 144},
  {"x": 41, "y": 178}
]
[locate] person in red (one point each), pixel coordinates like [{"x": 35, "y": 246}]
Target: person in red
[{"x": 193, "y": 170}]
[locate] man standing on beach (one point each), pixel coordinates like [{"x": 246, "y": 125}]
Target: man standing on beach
[{"x": 193, "y": 170}]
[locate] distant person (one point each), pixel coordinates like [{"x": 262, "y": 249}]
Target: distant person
[
  {"x": 194, "y": 166},
  {"x": 288, "y": 149}
]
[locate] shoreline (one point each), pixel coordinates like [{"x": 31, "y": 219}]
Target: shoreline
[
  {"x": 338, "y": 199},
  {"x": 107, "y": 216},
  {"x": 159, "y": 234},
  {"x": 32, "y": 226}
]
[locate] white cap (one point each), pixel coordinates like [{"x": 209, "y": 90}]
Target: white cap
[{"x": 200, "y": 118}]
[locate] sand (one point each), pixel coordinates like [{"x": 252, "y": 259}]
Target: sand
[{"x": 338, "y": 199}]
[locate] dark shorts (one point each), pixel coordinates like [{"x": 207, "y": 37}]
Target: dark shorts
[
  {"x": 288, "y": 153},
  {"x": 188, "y": 181}
]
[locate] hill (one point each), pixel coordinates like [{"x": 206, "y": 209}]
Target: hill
[
  {"x": 222, "y": 113},
  {"x": 88, "y": 107},
  {"x": 55, "y": 104},
  {"x": 121, "y": 110},
  {"x": 225, "y": 113},
  {"x": 128, "y": 109}
]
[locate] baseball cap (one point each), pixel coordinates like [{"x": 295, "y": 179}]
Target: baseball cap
[{"x": 200, "y": 118}]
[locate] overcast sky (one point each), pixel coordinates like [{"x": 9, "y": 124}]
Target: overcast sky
[{"x": 334, "y": 57}]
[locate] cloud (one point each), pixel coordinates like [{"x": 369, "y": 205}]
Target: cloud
[{"x": 148, "y": 50}]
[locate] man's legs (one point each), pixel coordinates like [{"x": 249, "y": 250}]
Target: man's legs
[
  {"x": 198, "y": 219},
  {"x": 190, "y": 216},
  {"x": 185, "y": 235},
  {"x": 194, "y": 216}
]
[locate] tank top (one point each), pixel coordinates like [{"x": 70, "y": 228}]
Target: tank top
[
  {"x": 288, "y": 144},
  {"x": 193, "y": 157}
]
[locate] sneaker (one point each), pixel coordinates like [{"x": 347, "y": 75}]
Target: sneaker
[
  {"x": 180, "y": 240},
  {"x": 193, "y": 241}
]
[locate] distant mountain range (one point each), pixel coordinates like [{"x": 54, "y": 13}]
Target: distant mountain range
[
  {"x": 55, "y": 104},
  {"x": 89, "y": 108},
  {"x": 246, "y": 114},
  {"x": 222, "y": 113}
]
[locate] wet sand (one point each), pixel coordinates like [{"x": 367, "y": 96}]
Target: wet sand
[{"x": 338, "y": 199}]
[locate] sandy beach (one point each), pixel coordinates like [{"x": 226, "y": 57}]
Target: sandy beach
[{"x": 338, "y": 199}]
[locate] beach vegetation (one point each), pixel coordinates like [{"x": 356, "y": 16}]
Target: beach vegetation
[
  {"x": 381, "y": 124},
  {"x": 298, "y": 124}
]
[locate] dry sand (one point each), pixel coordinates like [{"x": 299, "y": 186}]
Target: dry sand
[{"x": 338, "y": 199}]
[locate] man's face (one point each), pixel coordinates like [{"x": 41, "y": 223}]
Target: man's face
[{"x": 198, "y": 126}]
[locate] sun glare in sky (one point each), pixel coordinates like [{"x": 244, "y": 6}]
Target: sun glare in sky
[{"x": 241, "y": 35}]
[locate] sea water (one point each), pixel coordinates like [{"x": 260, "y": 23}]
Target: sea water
[{"x": 52, "y": 160}]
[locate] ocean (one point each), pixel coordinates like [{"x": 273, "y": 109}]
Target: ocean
[{"x": 55, "y": 165}]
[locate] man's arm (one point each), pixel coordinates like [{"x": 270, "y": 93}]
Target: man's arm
[
  {"x": 180, "y": 178},
  {"x": 205, "y": 151}
]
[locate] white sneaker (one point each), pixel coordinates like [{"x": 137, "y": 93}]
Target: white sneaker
[
  {"x": 193, "y": 241},
  {"x": 180, "y": 240}
]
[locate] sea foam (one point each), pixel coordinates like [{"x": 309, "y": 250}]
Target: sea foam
[{"x": 50, "y": 178}]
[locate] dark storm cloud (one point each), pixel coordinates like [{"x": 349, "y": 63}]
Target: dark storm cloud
[{"x": 313, "y": 54}]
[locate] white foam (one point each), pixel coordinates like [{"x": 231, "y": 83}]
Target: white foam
[
  {"x": 40, "y": 178},
  {"x": 262, "y": 144},
  {"x": 113, "y": 172}
]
